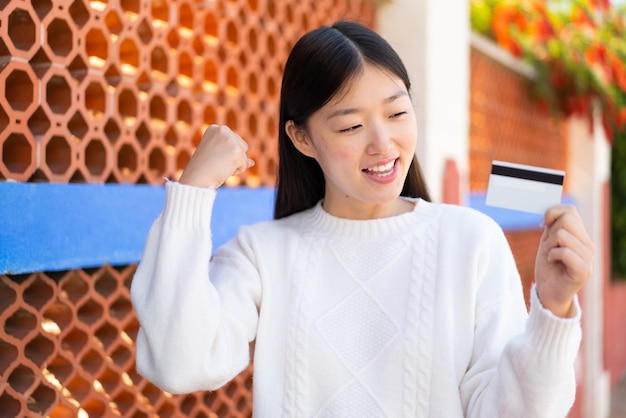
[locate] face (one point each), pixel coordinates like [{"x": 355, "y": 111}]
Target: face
[{"x": 364, "y": 140}]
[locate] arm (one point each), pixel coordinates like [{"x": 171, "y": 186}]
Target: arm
[
  {"x": 192, "y": 335},
  {"x": 521, "y": 367}
]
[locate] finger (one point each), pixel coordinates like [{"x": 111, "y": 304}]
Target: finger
[
  {"x": 246, "y": 164},
  {"x": 570, "y": 222},
  {"x": 568, "y": 236},
  {"x": 214, "y": 130},
  {"x": 555, "y": 212},
  {"x": 578, "y": 267},
  {"x": 564, "y": 239},
  {"x": 226, "y": 134},
  {"x": 566, "y": 248},
  {"x": 241, "y": 143}
]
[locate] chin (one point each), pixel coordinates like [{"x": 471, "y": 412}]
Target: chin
[{"x": 387, "y": 198}]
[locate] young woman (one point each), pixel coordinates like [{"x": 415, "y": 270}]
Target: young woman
[{"x": 363, "y": 298}]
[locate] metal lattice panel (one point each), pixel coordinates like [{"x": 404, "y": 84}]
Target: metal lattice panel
[
  {"x": 122, "y": 91},
  {"x": 67, "y": 349}
]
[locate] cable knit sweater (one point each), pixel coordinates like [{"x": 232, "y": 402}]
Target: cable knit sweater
[{"x": 416, "y": 315}]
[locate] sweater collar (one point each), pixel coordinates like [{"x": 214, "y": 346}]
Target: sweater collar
[{"x": 321, "y": 222}]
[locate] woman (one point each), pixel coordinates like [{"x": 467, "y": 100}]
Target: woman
[{"x": 362, "y": 297}]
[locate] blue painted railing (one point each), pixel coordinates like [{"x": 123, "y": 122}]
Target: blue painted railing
[
  {"x": 511, "y": 220},
  {"x": 48, "y": 227}
]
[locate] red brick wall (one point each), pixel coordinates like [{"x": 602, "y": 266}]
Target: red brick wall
[{"x": 506, "y": 124}]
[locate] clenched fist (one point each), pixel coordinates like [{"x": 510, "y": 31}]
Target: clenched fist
[{"x": 220, "y": 154}]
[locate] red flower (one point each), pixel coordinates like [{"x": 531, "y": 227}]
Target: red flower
[
  {"x": 581, "y": 17},
  {"x": 621, "y": 119},
  {"x": 558, "y": 77},
  {"x": 545, "y": 29},
  {"x": 619, "y": 71}
]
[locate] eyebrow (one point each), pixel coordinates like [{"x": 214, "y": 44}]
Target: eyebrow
[{"x": 352, "y": 110}]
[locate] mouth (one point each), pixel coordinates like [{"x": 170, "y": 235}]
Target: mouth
[{"x": 381, "y": 170}]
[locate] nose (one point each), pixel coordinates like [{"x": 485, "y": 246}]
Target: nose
[{"x": 380, "y": 140}]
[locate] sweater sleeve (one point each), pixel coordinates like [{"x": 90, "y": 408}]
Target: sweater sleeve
[
  {"x": 192, "y": 336},
  {"x": 522, "y": 365}
]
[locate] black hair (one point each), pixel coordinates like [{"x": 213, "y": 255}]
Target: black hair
[{"x": 320, "y": 64}]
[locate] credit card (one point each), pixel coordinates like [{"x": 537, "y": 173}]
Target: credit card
[{"x": 524, "y": 187}]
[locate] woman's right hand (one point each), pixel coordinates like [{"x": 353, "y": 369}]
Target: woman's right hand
[{"x": 220, "y": 154}]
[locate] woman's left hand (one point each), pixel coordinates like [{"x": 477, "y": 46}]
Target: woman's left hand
[{"x": 564, "y": 259}]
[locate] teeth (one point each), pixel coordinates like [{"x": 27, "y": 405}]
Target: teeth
[{"x": 381, "y": 168}]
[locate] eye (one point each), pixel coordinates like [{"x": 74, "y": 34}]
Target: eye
[
  {"x": 350, "y": 129},
  {"x": 398, "y": 115}
]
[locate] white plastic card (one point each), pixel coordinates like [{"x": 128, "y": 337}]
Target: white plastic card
[{"x": 524, "y": 187}]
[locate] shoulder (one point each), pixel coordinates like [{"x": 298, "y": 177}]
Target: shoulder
[
  {"x": 262, "y": 241},
  {"x": 276, "y": 228},
  {"x": 466, "y": 230},
  {"x": 464, "y": 220}
]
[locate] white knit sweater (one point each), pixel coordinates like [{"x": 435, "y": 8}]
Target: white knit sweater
[{"x": 416, "y": 315}]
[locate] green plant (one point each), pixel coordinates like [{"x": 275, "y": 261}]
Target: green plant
[{"x": 618, "y": 208}]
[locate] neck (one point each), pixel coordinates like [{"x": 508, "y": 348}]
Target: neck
[{"x": 365, "y": 210}]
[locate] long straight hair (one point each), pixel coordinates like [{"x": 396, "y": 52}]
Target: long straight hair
[{"x": 320, "y": 64}]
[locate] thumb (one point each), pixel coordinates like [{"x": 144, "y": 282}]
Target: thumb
[{"x": 249, "y": 163}]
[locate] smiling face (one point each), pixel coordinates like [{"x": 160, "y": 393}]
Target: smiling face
[{"x": 364, "y": 140}]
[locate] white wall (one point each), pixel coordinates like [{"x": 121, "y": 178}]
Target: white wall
[{"x": 589, "y": 171}]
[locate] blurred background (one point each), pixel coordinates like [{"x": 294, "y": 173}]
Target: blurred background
[{"x": 103, "y": 100}]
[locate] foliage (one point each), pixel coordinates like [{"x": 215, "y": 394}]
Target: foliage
[
  {"x": 618, "y": 208},
  {"x": 578, "y": 48}
]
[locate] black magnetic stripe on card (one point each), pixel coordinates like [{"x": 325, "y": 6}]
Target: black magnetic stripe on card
[{"x": 521, "y": 173}]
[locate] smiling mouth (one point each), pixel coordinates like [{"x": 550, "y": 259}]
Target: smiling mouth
[{"x": 383, "y": 170}]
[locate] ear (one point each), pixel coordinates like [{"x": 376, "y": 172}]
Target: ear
[{"x": 300, "y": 139}]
